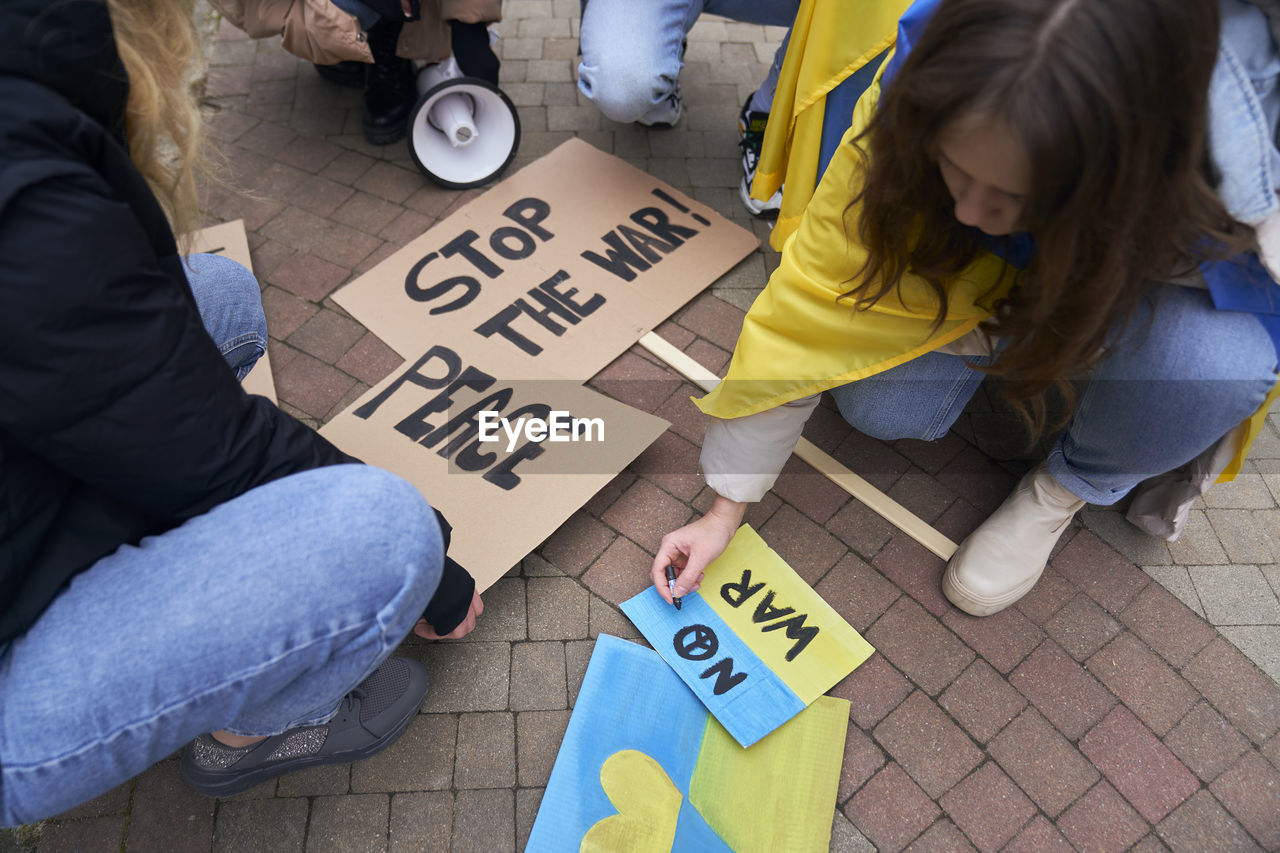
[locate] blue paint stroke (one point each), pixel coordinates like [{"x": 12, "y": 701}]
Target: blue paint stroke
[
  {"x": 749, "y": 710},
  {"x": 629, "y": 699}
]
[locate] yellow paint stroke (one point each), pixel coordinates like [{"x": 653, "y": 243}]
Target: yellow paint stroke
[
  {"x": 833, "y": 653},
  {"x": 779, "y": 794},
  {"x": 648, "y": 805}
]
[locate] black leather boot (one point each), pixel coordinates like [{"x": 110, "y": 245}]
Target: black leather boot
[{"x": 389, "y": 92}]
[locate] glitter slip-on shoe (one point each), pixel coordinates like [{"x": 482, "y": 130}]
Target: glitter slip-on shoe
[
  {"x": 1000, "y": 561},
  {"x": 368, "y": 719}
]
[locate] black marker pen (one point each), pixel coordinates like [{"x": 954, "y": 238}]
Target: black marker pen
[{"x": 671, "y": 585}]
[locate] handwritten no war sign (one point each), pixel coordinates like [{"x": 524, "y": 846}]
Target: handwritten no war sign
[{"x": 757, "y": 645}]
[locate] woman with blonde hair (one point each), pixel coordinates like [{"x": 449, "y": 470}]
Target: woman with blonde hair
[
  {"x": 180, "y": 563},
  {"x": 1050, "y": 191}
]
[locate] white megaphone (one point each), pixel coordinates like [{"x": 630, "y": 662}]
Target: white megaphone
[{"x": 464, "y": 130}]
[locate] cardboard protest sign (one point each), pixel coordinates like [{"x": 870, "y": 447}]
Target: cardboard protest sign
[
  {"x": 756, "y": 644},
  {"x": 230, "y": 240},
  {"x": 429, "y": 422},
  {"x": 644, "y": 767},
  {"x": 557, "y": 270}
]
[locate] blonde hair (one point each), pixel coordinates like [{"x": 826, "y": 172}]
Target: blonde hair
[{"x": 158, "y": 45}]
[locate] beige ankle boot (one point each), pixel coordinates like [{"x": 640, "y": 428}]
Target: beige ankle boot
[{"x": 1000, "y": 561}]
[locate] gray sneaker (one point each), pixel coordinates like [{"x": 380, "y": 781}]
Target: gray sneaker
[{"x": 368, "y": 720}]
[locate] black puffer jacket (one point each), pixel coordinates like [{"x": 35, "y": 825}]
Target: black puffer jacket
[{"x": 118, "y": 417}]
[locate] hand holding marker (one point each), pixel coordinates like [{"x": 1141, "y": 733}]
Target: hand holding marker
[{"x": 671, "y": 585}]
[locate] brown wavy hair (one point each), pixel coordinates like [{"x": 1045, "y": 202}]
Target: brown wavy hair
[{"x": 1109, "y": 98}]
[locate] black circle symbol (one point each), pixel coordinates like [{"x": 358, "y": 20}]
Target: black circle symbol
[{"x": 695, "y": 642}]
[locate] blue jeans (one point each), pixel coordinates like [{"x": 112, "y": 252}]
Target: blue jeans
[
  {"x": 632, "y": 52},
  {"x": 1172, "y": 383},
  {"x": 255, "y": 617}
]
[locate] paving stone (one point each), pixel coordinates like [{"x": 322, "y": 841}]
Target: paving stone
[
  {"x": 914, "y": 568},
  {"x": 1201, "y": 823},
  {"x": 1260, "y": 643},
  {"x": 307, "y": 276},
  {"x": 311, "y": 385},
  {"x": 891, "y": 810},
  {"x": 862, "y": 758},
  {"x": 348, "y": 824},
  {"x": 1236, "y": 595},
  {"x": 874, "y": 460},
  {"x": 621, "y": 571},
  {"x": 1239, "y": 690},
  {"x": 1250, "y": 789},
  {"x": 577, "y": 653},
  {"x": 527, "y": 802},
  {"x": 505, "y": 615},
  {"x": 988, "y": 807},
  {"x": 467, "y": 676},
  {"x": 1138, "y": 764},
  {"x": 1110, "y": 525},
  {"x": 1102, "y": 820},
  {"x": 1246, "y": 491},
  {"x": 1205, "y": 742},
  {"x": 1144, "y": 683},
  {"x": 1177, "y": 582},
  {"x": 1241, "y": 534},
  {"x": 644, "y": 513},
  {"x": 285, "y": 312},
  {"x": 671, "y": 463},
  {"x": 92, "y": 835},
  {"x": 270, "y": 825},
  {"x": 977, "y": 480},
  {"x": 1166, "y": 625},
  {"x": 1039, "y": 836},
  {"x": 711, "y": 318},
  {"x": 1043, "y": 763},
  {"x": 113, "y": 802},
  {"x": 167, "y": 813},
  {"x": 604, "y": 618},
  {"x": 1104, "y": 575},
  {"x": 922, "y": 495},
  {"x": 538, "y": 737},
  {"x": 484, "y": 820},
  {"x": 389, "y": 182},
  {"x": 873, "y": 689},
  {"x": 421, "y": 822},
  {"x": 805, "y": 546},
  {"x": 919, "y": 645},
  {"x": 959, "y": 521},
  {"x": 538, "y": 677},
  {"x": 327, "y": 335},
  {"x": 808, "y": 491},
  {"x": 1003, "y": 638},
  {"x": 1198, "y": 544},
  {"x": 421, "y": 759},
  {"x": 534, "y": 566},
  {"x": 1071, "y": 698},
  {"x": 982, "y": 701},
  {"x": 577, "y": 543},
  {"x": 845, "y": 837},
  {"x": 346, "y": 247},
  {"x": 315, "y": 781},
  {"x": 1082, "y": 627},
  {"x": 557, "y": 609},
  {"x": 486, "y": 756},
  {"x": 859, "y": 593},
  {"x": 924, "y": 742},
  {"x": 637, "y": 382},
  {"x": 1050, "y": 594}
]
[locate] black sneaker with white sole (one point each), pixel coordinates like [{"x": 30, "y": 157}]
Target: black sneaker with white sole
[
  {"x": 368, "y": 720},
  {"x": 751, "y": 125}
]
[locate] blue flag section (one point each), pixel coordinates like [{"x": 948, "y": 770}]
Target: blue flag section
[{"x": 735, "y": 685}]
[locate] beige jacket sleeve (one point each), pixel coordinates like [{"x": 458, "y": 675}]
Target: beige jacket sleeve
[{"x": 742, "y": 457}]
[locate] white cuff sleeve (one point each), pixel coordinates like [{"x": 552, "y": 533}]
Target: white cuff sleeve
[{"x": 742, "y": 457}]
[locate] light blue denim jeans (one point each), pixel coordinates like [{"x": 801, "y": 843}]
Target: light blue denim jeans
[
  {"x": 632, "y": 54},
  {"x": 1173, "y": 382},
  {"x": 255, "y": 617}
]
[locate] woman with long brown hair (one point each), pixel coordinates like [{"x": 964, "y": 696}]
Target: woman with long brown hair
[{"x": 1034, "y": 190}]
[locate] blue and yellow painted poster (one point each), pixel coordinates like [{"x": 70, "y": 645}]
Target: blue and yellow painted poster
[
  {"x": 757, "y": 645},
  {"x": 644, "y": 768}
]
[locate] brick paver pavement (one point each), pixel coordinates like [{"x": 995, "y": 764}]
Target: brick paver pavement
[{"x": 1103, "y": 712}]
